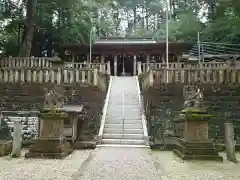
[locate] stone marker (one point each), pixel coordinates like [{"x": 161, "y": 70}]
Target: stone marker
[
  {"x": 229, "y": 141},
  {"x": 17, "y": 139}
]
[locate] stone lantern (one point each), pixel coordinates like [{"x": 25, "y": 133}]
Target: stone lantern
[
  {"x": 52, "y": 142},
  {"x": 194, "y": 143}
]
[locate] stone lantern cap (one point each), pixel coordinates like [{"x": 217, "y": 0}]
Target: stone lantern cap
[{"x": 56, "y": 60}]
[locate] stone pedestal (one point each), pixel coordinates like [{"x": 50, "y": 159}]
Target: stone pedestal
[
  {"x": 195, "y": 145},
  {"x": 51, "y": 143}
]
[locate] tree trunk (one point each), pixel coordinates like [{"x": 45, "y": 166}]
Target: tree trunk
[
  {"x": 25, "y": 50},
  {"x": 135, "y": 18}
]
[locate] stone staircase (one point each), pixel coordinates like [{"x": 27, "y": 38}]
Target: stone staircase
[{"x": 123, "y": 120}]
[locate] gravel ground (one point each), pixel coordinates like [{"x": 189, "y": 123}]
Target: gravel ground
[
  {"x": 40, "y": 169},
  {"x": 109, "y": 163},
  {"x": 172, "y": 168}
]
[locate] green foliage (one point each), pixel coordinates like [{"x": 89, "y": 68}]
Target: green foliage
[{"x": 71, "y": 21}]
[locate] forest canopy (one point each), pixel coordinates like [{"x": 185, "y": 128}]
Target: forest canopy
[{"x": 36, "y": 27}]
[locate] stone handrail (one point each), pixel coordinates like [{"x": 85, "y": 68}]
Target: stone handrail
[
  {"x": 147, "y": 79},
  {"x": 102, "y": 81},
  {"x": 103, "y": 67},
  {"x": 191, "y": 76},
  {"x": 25, "y": 62},
  {"x": 144, "y": 67},
  {"x": 143, "y": 117},
  {"x": 49, "y": 75},
  {"x": 104, "y": 112},
  {"x": 43, "y": 62}
]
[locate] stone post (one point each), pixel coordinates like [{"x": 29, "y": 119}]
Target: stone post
[
  {"x": 229, "y": 141},
  {"x": 148, "y": 61},
  {"x": 139, "y": 67},
  {"x": 134, "y": 65},
  {"x": 115, "y": 65},
  {"x": 95, "y": 77},
  {"x": 17, "y": 139},
  {"x": 103, "y": 68},
  {"x": 150, "y": 78}
]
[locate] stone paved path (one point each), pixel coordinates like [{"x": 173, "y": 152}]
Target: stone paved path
[{"x": 109, "y": 163}]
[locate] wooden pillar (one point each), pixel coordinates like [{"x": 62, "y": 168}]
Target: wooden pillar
[
  {"x": 73, "y": 60},
  {"x": 88, "y": 58},
  {"x": 115, "y": 65},
  {"x": 134, "y": 65},
  {"x": 123, "y": 67},
  {"x": 163, "y": 58}
]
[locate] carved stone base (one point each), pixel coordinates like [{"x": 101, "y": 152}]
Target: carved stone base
[
  {"x": 85, "y": 145},
  {"x": 50, "y": 148},
  {"x": 196, "y": 150},
  {"x": 5, "y": 147}
]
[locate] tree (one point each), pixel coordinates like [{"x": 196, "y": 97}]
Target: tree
[{"x": 29, "y": 27}]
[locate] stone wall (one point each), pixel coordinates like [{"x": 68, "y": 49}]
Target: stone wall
[
  {"x": 163, "y": 103},
  {"x": 30, "y": 97},
  {"x": 30, "y": 126}
]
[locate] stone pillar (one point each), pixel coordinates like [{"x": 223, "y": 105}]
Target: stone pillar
[
  {"x": 229, "y": 141},
  {"x": 115, "y": 65},
  {"x": 17, "y": 139},
  {"x": 134, "y": 65}
]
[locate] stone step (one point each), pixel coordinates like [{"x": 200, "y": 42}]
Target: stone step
[
  {"x": 126, "y": 126},
  {"x": 120, "y": 106},
  {"x": 123, "y": 141},
  {"x": 119, "y": 117},
  {"x": 126, "y": 121},
  {"x": 126, "y": 113},
  {"x": 108, "y": 130},
  {"x": 122, "y": 145},
  {"x": 123, "y": 136}
]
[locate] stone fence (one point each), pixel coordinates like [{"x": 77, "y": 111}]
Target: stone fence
[
  {"x": 53, "y": 75},
  {"x": 191, "y": 76},
  {"x": 144, "y": 67},
  {"x": 43, "y": 62}
]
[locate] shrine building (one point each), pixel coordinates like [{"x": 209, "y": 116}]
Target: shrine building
[{"x": 123, "y": 53}]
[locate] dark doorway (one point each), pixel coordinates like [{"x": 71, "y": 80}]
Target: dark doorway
[
  {"x": 128, "y": 65},
  {"x": 120, "y": 65}
]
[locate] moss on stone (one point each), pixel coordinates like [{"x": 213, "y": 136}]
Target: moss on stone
[
  {"x": 194, "y": 110},
  {"x": 53, "y": 114},
  {"x": 195, "y": 116}
]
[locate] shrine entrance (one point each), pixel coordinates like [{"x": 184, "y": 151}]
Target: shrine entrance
[{"x": 125, "y": 65}]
